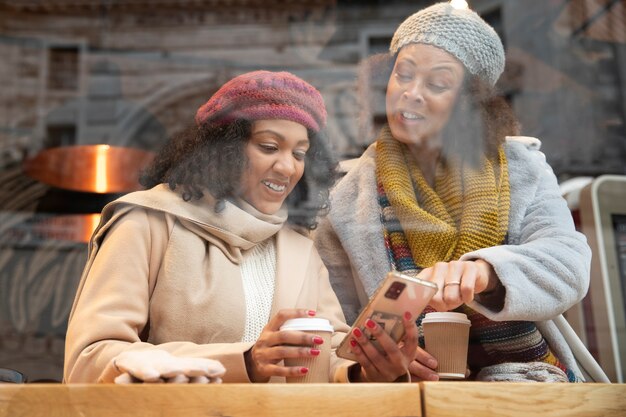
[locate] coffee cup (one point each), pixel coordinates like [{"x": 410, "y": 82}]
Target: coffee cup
[
  {"x": 319, "y": 366},
  {"x": 446, "y": 337}
]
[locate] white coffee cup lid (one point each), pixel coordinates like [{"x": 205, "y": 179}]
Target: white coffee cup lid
[
  {"x": 308, "y": 324},
  {"x": 446, "y": 317}
]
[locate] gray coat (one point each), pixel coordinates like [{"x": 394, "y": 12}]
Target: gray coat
[{"x": 544, "y": 266}]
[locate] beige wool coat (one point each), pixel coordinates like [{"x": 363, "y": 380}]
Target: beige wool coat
[{"x": 164, "y": 273}]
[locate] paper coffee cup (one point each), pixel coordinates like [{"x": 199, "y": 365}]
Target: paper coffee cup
[
  {"x": 319, "y": 366},
  {"x": 446, "y": 336}
]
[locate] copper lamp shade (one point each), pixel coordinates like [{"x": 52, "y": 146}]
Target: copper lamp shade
[{"x": 90, "y": 168}]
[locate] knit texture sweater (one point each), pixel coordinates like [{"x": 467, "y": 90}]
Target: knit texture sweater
[{"x": 258, "y": 269}]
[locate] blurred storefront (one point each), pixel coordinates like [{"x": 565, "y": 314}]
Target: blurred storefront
[{"x": 101, "y": 83}]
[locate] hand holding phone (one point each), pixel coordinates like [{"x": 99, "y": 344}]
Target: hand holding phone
[{"x": 395, "y": 296}]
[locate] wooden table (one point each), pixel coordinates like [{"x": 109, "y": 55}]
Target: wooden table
[
  {"x": 258, "y": 400},
  {"x": 427, "y": 399},
  {"x": 507, "y": 399}
]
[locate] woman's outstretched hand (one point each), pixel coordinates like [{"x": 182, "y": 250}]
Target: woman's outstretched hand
[
  {"x": 273, "y": 346},
  {"x": 390, "y": 360},
  {"x": 459, "y": 282}
]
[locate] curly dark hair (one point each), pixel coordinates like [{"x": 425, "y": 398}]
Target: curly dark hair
[
  {"x": 211, "y": 158},
  {"x": 480, "y": 120}
]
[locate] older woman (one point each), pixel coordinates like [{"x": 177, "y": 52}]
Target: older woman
[
  {"x": 203, "y": 268},
  {"x": 447, "y": 194}
]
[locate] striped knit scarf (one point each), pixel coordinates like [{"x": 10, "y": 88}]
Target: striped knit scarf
[
  {"x": 467, "y": 210},
  {"x": 463, "y": 214}
]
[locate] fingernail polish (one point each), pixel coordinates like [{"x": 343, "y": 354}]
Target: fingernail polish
[
  {"x": 315, "y": 352},
  {"x": 311, "y": 313},
  {"x": 407, "y": 315},
  {"x": 304, "y": 370},
  {"x": 370, "y": 323},
  {"x": 357, "y": 332},
  {"x": 352, "y": 342},
  {"x": 317, "y": 340}
]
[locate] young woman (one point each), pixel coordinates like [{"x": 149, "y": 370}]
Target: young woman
[
  {"x": 446, "y": 194},
  {"x": 207, "y": 263}
]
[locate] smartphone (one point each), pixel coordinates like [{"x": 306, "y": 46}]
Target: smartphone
[{"x": 397, "y": 294}]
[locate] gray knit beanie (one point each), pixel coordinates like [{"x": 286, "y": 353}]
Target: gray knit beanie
[{"x": 460, "y": 32}]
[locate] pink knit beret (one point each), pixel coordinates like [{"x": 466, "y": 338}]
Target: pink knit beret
[{"x": 262, "y": 95}]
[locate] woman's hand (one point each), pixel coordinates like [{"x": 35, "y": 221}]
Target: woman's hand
[
  {"x": 273, "y": 346},
  {"x": 459, "y": 282},
  {"x": 392, "y": 360},
  {"x": 423, "y": 367}
]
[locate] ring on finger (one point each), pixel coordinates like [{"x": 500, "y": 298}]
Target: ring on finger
[{"x": 451, "y": 283}]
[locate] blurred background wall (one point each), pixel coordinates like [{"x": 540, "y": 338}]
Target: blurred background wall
[{"x": 89, "y": 89}]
